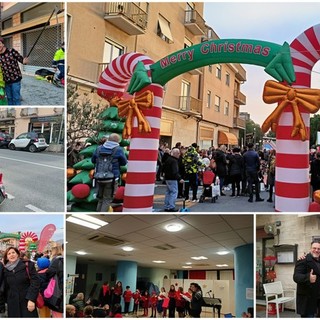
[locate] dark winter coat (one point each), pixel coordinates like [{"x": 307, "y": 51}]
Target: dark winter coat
[
  {"x": 20, "y": 289},
  {"x": 2, "y": 302},
  {"x": 251, "y": 161},
  {"x": 307, "y": 293},
  {"x": 235, "y": 164},
  {"x": 315, "y": 173},
  {"x": 221, "y": 163},
  {"x": 171, "y": 169}
]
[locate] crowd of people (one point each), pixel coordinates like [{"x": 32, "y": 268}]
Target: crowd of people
[
  {"x": 162, "y": 304},
  {"x": 24, "y": 277},
  {"x": 243, "y": 171}
]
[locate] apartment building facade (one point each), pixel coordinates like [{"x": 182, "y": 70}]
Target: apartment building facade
[
  {"x": 22, "y": 26},
  {"x": 201, "y": 105}
]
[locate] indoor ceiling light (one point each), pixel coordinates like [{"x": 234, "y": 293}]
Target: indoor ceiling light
[
  {"x": 186, "y": 267},
  {"x": 87, "y": 221},
  {"x": 222, "y": 253},
  {"x": 173, "y": 227},
  {"x": 127, "y": 249},
  {"x": 81, "y": 253},
  {"x": 199, "y": 258},
  {"x": 221, "y": 265},
  {"x": 158, "y": 261},
  {"x": 188, "y": 263}
]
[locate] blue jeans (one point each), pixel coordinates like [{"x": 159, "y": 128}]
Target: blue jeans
[
  {"x": 171, "y": 194},
  {"x": 13, "y": 93}
]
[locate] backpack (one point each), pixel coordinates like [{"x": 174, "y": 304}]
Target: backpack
[{"x": 104, "y": 166}]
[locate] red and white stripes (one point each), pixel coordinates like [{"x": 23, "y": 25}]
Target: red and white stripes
[
  {"x": 25, "y": 237},
  {"x": 292, "y": 161},
  {"x": 141, "y": 173}
]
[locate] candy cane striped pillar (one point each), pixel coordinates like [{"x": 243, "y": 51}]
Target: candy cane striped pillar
[
  {"x": 141, "y": 173},
  {"x": 292, "y": 161}
]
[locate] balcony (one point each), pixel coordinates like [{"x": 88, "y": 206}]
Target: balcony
[
  {"x": 241, "y": 73},
  {"x": 239, "y": 123},
  {"x": 196, "y": 72},
  {"x": 194, "y": 22},
  {"x": 26, "y": 112},
  {"x": 189, "y": 105},
  {"x": 239, "y": 98},
  {"x": 127, "y": 16},
  {"x": 7, "y": 113}
]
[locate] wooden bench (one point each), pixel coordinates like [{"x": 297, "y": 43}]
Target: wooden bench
[{"x": 274, "y": 293}]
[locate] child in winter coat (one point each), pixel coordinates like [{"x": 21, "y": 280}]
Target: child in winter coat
[
  {"x": 43, "y": 265},
  {"x": 145, "y": 303},
  {"x": 127, "y": 296},
  {"x": 136, "y": 300}
]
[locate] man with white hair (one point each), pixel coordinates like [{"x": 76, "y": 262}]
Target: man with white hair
[{"x": 172, "y": 176}]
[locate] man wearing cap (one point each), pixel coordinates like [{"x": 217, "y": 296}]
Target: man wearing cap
[{"x": 9, "y": 62}]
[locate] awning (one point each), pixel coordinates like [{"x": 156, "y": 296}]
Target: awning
[
  {"x": 227, "y": 138},
  {"x": 165, "y": 28}
]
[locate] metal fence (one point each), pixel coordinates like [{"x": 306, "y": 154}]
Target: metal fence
[{"x": 49, "y": 42}]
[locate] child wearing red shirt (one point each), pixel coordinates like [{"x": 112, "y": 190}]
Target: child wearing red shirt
[
  {"x": 127, "y": 296},
  {"x": 145, "y": 303},
  {"x": 154, "y": 300},
  {"x": 136, "y": 300}
]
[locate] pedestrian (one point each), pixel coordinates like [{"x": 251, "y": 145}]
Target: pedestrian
[
  {"x": 58, "y": 65},
  {"x": 43, "y": 265},
  {"x": 117, "y": 293},
  {"x": 235, "y": 170},
  {"x": 112, "y": 151},
  {"x": 221, "y": 166},
  {"x": 70, "y": 311},
  {"x": 127, "y": 296},
  {"x": 180, "y": 303},
  {"x": 307, "y": 276},
  {"x": 252, "y": 167},
  {"x": 196, "y": 300},
  {"x": 145, "y": 303},
  {"x": 88, "y": 312},
  {"x": 315, "y": 173},
  {"x": 136, "y": 301},
  {"x": 172, "y": 178},
  {"x": 172, "y": 301},
  {"x": 21, "y": 285},
  {"x": 182, "y": 171},
  {"x": 271, "y": 177},
  {"x": 162, "y": 295},
  {"x": 153, "y": 303},
  {"x": 56, "y": 268},
  {"x": 104, "y": 294},
  {"x": 9, "y": 62},
  {"x": 192, "y": 163}
]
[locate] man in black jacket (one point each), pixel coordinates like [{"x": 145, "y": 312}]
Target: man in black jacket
[
  {"x": 172, "y": 176},
  {"x": 307, "y": 276}
]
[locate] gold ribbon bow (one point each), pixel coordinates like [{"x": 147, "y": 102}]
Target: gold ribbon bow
[
  {"x": 130, "y": 108},
  {"x": 275, "y": 92}
]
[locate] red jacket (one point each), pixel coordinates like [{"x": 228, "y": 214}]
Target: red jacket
[
  {"x": 136, "y": 297},
  {"x": 117, "y": 291},
  {"x": 145, "y": 301},
  {"x": 154, "y": 300},
  {"x": 127, "y": 295}
]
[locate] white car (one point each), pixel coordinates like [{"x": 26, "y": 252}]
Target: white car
[{"x": 30, "y": 141}]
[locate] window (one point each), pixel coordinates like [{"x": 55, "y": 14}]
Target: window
[
  {"x": 164, "y": 31},
  {"x": 217, "y": 103},
  {"x": 228, "y": 79},
  {"x": 208, "y": 99},
  {"x": 226, "y": 108},
  {"x": 218, "y": 71},
  {"x": 40, "y": 10},
  {"x": 187, "y": 43},
  {"x": 112, "y": 50},
  {"x": 185, "y": 95},
  {"x": 7, "y": 23}
]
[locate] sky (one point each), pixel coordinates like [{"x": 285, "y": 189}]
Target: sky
[
  {"x": 11, "y": 223},
  {"x": 275, "y": 22}
]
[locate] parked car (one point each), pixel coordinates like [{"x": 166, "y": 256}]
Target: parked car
[
  {"x": 30, "y": 141},
  {"x": 4, "y": 139}
]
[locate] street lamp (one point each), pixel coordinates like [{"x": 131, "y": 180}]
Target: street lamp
[{"x": 254, "y": 136}]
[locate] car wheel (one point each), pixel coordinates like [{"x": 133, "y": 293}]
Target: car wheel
[
  {"x": 12, "y": 146},
  {"x": 33, "y": 148}
]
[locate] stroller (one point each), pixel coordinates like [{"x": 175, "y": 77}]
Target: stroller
[{"x": 208, "y": 178}]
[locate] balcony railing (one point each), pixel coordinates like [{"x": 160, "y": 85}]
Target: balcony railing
[
  {"x": 194, "y": 22},
  {"x": 127, "y": 16},
  {"x": 190, "y": 105},
  {"x": 239, "y": 123},
  {"x": 25, "y": 112},
  {"x": 8, "y": 113},
  {"x": 241, "y": 75},
  {"x": 239, "y": 98}
]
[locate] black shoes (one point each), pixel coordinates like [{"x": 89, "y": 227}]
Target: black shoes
[
  {"x": 223, "y": 194},
  {"x": 269, "y": 200},
  {"x": 171, "y": 210},
  {"x": 259, "y": 199},
  {"x": 250, "y": 200}
]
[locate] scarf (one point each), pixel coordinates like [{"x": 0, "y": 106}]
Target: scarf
[{"x": 11, "y": 265}]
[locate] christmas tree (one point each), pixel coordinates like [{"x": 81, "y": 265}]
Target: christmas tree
[{"x": 81, "y": 196}]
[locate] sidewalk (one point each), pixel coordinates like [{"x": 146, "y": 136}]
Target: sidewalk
[
  {"x": 40, "y": 93},
  {"x": 223, "y": 204}
]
